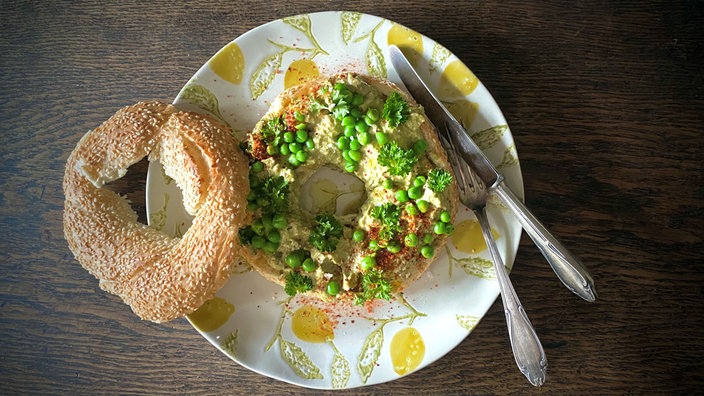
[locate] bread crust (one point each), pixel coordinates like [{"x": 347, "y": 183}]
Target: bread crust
[{"x": 159, "y": 277}]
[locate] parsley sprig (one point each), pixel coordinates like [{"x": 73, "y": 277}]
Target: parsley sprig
[
  {"x": 396, "y": 109},
  {"x": 439, "y": 179},
  {"x": 399, "y": 161},
  {"x": 326, "y": 233},
  {"x": 389, "y": 215},
  {"x": 297, "y": 283},
  {"x": 374, "y": 285}
]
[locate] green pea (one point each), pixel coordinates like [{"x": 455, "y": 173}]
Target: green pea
[
  {"x": 439, "y": 228},
  {"x": 279, "y": 221},
  {"x": 268, "y": 223},
  {"x": 309, "y": 265},
  {"x": 368, "y": 121},
  {"x": 423, "y": 205},
  {"x": 364, "y": 138},
  {"x": 333, "y": 288},
  {"x": 356, "y": 113},
  {"x": 415, "y": 192},
  {"x": 402, "y": 196},
  {"x": 355, "y": 155},
  {"x": 449, "y": 227},
  {"x": 301, "y": 126},
  {"x": 393, "y": 247},
  {"x": 272, "y": 150},
  {"x": 310, "y": 144},
  {"x": 357, "y": 99},
  {"x": 262, "y": 201},
  {"x": 274, "y": 236},
  {"x": 302, "y": 156},
  {"x": 358, "y": 235},
  {"x": 343, "y": 143},
  {"x": 445, "y": 216},
  {"x": 428, "y": 238},
  {"x": 258, "y": 241},
  {"x": 299, "y": 116},
  {"x": 361, "y": 127},
  {"x": 293, "y": 160},
  {"x": 350, "y": 167},
  {"x": 388, "y": 184},
  {"x": 420, "y": 146},
  {"x": 301, "y": 136},
  {"x": 270, "y": 247},
  {"x": 372, "y": 114},
  {"x": 427, "y": 251},
  {"x": 289, "y": 137},
  {"x": 411, "y": 209},
  {"x": 295, "y": 147},
  {"x": 374, "y": 245},
  {"x": 348, "y": 120},
  {"x": 284, "y": 150},
  {"x": 411, "y": 240},
  {"x": 381, "y": 138},
  {"x": 258, "y": 166},
  {"x": 293, "y": 260},
  {"x": 354, "y": 144},
  {"x": 419, "y": 181},
  {"x": 368, "y": 262},
  {"x": 350, "y": 131}
]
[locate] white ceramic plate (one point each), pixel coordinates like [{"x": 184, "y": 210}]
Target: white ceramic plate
[{"x": 435, "y": 313}]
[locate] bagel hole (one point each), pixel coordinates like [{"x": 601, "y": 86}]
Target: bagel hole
[
  {"x": 132, "y": 187},
  {"x": 332, "y": 191}
]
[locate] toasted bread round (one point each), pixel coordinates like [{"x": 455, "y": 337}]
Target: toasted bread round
[
  {"x": 361, "y": 126},
  {"x": 160, "y": 277}
]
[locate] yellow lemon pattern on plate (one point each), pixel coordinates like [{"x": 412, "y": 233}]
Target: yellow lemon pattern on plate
[
  {"x": 464, "y": 111},
  {"x": 299, "y": 72},
  {"x": 407, "y": 350},
  {"x": 457, "y": 81},
  {"x": 228, "y": 63},
  {"x": 212, "y": 314},
  {"x": 467, "y": 237},
  {"x": 312, "y": 324},
  {"x": 408, "y": 40}
]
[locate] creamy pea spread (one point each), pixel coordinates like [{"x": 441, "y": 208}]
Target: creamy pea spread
[{"x": 363, "y": 127}]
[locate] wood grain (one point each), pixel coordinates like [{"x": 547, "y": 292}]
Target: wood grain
[{"x": 606, "y": 104}]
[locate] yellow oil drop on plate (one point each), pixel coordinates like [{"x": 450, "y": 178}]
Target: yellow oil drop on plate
[{"x": 468, "y": 238}]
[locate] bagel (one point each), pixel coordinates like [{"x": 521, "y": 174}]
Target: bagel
[
  {"x": 394, "y": 235},
  {"x": 159, "y": 277}
]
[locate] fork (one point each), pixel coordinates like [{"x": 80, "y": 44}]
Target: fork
[{"x": 527, "y": 349}]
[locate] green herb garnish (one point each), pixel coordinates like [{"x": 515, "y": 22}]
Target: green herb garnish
[
  {"x": 389, "y": 214},
  {"x": 439, "y": 179},
  {"x": 297, "y": 283},
  {"x": 326, "y": 233},
  {"x": 396, "y": 110},
  {"x": 397, "y": 160},
  {"x": 374, "y": 285}
]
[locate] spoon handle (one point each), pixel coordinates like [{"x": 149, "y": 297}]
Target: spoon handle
[
  {"x": 527, "y": 349},
  {"x": 567, "y": 267}
]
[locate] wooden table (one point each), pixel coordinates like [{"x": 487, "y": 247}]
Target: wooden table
[{"x": 605, "y": 101}]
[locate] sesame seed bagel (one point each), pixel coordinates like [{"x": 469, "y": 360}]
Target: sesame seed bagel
[
  {"x": 361, "y": 126},
  {"x": 159, "y": 277}
]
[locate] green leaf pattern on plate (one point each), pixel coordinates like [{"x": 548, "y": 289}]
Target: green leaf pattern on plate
[
  {"x": 350, "y": 20},
  {"x": 489, "y": 137},
  {"x": 371, "y": 350},
  {"x": 468, "y": 322},
  {"x": 509, "y": 158},
  {"x": 474, "y": 266},
  {"x": 157, "y": 220},
  {"x": 340, "y": 369},
  {"x": 265, "y": 73},
  {"x": 203, "y": 98},
  {"x": 376, "y": 63},
  {"x": 438, "y": 58},
  {"x": 229, "y": 344},
  {"x": 298, "y": 360}
]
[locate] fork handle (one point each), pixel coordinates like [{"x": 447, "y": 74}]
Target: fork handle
[
  {"x": 527, "y": 349},
  {"x": 567, "y": 267}
]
